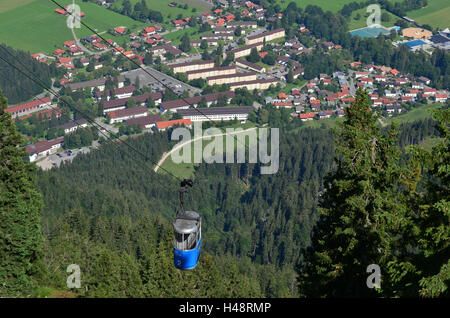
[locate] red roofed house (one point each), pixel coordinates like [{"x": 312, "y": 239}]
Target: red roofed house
[
  {"x": 129, "y": 54},
  {"x": 394, "y": 72},
  {"x": 440, "y": 98},
  {"x": 47, "y": 113},
  {"x": 220, "y": 22},
  {"x": 117, "y": 50},
  {"x": 307, "y": 116},
  {"x": 44, "y": 148},
  {"x": 178, "y": 23},
  {"x": 127, "y": 113},
  {"x": 149, "y": 30},
  {"x": 69, "y": 44},
  {"x": 282, "y": 96},
  {"x": 58, "y": 52},
  {"x": 230, "y": 17},
  {"x": 75, "y": 50},
  {"x": 120, "y": 30},
  {"x": 315, "y": 103},
  {"x": 217, "y": 11},
  {"x": 65, "y": 60},
  {"x": 295, "y": 92},
  {"x": 429, "y": 91},
  {"x": 27, "y": 108},
  {"x": 162, "y": 125},
  {"x": 61, "y": 11},
  {"x": 262, "y": 54},
  {"x": 282, "y": 104}
]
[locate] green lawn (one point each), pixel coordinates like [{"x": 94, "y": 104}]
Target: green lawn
[
  {"x": 362, "y": 22},
  {"x": 436, "y": 14},
  {"x": 326, "y": 5},
  {"x": 6, "y": 5},
  {"x": 186, "y": 170},
  {"x": 35, "y": 26},
  {"x": 420, "y": 112},
  {"x": 169, "y": 13},
  {"x": 176, "y": 36}
]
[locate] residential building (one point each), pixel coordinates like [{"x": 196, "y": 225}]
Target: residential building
[
  {"x": 231, "y": 78},
  {"x": 265, "y": 36},
  {"x": 163, "y": 125},
  {"x": 29, "y": 107},
  {"x": 251, "y": 66},
  {"x": 216, "y": 113},
  {"x": 127, "y": 113},
  {"x": 191, "y": 66},
  {"x": 146, "y": 122},
  {"x": 245, "y": 50},
  {"x": 44, "y": 148},
  {"x": 97, "y": 83},
  {"x": 73, "y": 125},
  {"x": 209, "y": 72},
  {"x": 256, "y": 84},
  {"x": 175, "y": 105}
]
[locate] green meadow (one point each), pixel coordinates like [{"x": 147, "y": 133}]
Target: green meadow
[
  {"x": 170, "y": 13},
  {"x": 435, "y": 14},
  {"x": 326, "y": 5},
  {"x": 353, "y": 23},
  {"x": 35, "y": 27}
]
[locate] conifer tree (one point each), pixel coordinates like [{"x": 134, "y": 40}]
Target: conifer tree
[
  {"x": 20, "y": 206},
  {"x": 359, "y": 211},
  {"x": 433, "y": 207}
]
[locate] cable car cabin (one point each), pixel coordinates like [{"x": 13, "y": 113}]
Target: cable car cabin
[{"x": 188, "y": 237}]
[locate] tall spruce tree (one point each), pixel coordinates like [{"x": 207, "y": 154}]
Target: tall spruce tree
[
  {"x": 20, "y": 206},
  {"x": 433, "y": 217},
  {"x": 360, "y": 214}
]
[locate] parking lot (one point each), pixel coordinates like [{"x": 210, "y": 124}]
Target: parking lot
[
  {"x": 56, "y": 159},
  {"x": 150, "y": 81}
]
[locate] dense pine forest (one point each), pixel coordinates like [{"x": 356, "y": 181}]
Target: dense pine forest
[
  {"x": 110, "y": 198},
  {"x": 15, "y": 86},
  {"x": 264, "y": 235}
]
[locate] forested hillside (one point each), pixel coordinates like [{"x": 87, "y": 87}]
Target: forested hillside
[
  {"x": 17, "y": 87},
  {"x": 107, "y": 207}
]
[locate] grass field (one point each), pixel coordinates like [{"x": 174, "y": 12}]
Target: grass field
[
  {"x": 35, "y": 26},
  {"x": 6, "y": 5},
  {"x": 326, "y": 5},
  {"x": 186, "y": 170},
  {"x": 436, "y": 14},
  {"x": 417, "y": 113},
  {"x": 362, "y": 22},
  {"x": 170, "y": 13}
]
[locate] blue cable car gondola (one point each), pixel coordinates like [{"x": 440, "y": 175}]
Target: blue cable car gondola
[{"x": 187, "y": 227}]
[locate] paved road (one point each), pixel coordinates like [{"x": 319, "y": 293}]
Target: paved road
[
  {"x": 167, "y": 154},
  {"x": 352, "y": 87},
  {"x": 108, "y": 127}
]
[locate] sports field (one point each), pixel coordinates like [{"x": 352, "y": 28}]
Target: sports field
[
  {"x": 435, "y": 14},
  {"x": 35, "y": 27}
]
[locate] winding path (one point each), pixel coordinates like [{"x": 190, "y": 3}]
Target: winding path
[{"x": 167, "y": 154}]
